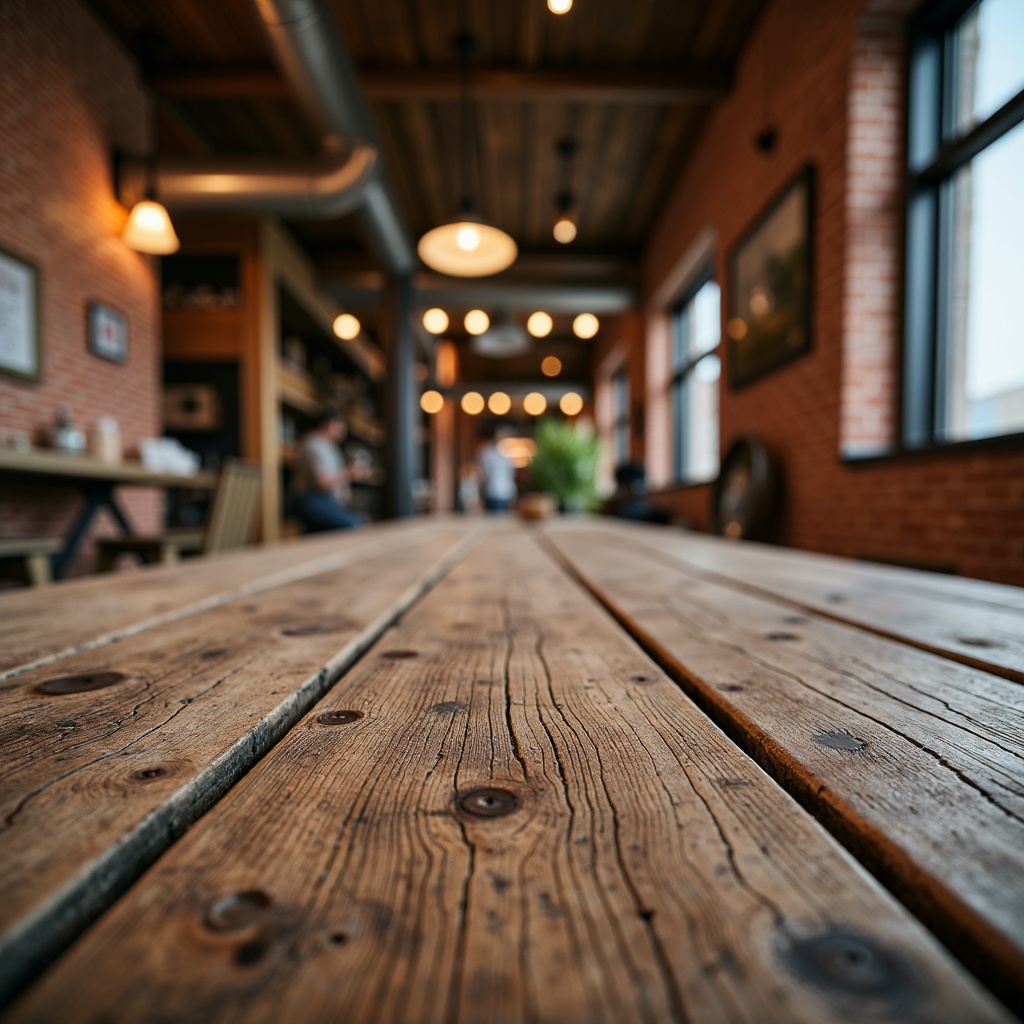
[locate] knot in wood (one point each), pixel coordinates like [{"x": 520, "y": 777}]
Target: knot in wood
[
  {"x": 313, "y": 628},
  {"x": 339, "y": 717},
  {"x": 848, "y": 963},
  {"x": 489, "y": 802},
  {"x": 399, "y": 655},
  {"x": 80, "y": 683},
  {"x": 236, "y": 911},
  {"x": 838, "y": 741}
]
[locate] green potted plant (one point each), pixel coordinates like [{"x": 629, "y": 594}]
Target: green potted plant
[{"x": 565, "y": 464}]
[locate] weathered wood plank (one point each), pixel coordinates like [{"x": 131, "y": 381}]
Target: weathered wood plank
[
  {"x": 915, "y": 761},
  {"x": 110, "y": 756},
  {"x": 973, "y": 621},
  {"x": 36, "y": 628},
  {"x": 506, "y": 812}
]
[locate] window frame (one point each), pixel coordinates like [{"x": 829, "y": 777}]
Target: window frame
[
  {"x": 935, "y": 152},
  {"x": 679, "y": 373},
  {"x": 620, "y": 424}
]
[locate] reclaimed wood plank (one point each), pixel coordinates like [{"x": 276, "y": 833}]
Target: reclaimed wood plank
[
  {"x": 507, "y": 812},
  {"x": 972, "y": 621},
  {"x": 110, "y": 755},
  {"x": 914, "y": 761},
  {"x": 36, "y": 628}
]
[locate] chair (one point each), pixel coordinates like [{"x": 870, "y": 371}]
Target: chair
[
  {"x": 232, "y": 523},
  {"x": 35, "y": 555}
]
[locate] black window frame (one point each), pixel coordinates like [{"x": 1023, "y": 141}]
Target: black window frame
[
  {"x": 935, "y": 152},
  {"x": 682, "y": 370}
]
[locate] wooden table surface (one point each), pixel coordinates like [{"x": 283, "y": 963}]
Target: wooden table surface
[{"x": 478, "y": 771}]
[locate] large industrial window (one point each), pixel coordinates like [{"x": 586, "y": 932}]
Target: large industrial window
[
  {"x": 964, "y": 366},
  {"x": 620, "y": 396},
  {"x": 696, "y": 369}
]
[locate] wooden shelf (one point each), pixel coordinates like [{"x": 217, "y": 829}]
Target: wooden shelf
[
  {"x": 298, "y": 390},
  {"x": 363, "y": 429}
]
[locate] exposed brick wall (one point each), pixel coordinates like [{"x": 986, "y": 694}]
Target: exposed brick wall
[
  {"x": 962, "y": 508},
  {"x": 69, "y": 95}
]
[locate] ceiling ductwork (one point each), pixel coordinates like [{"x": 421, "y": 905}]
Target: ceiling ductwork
[
  {"x": 310, "y": 54},
  {"x": 327, "y": 186}
]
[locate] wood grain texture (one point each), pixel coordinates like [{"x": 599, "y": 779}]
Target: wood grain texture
[
  {"x": 624, "y": 862},
  {"x": 109, "y": 758},
  {"x": 974, "y": 621},
  {"x": 37, "y": 628},
  {"x": 915, "y": 761}
]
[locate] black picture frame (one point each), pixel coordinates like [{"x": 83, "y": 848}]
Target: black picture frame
[
  {"x": 107, "y": 332},
  {"x": 771, "y": 284},
  {"x": 21, "y": 315}
]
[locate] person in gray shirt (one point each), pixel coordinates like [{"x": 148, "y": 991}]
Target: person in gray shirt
[{"x": 322, "y": 481}]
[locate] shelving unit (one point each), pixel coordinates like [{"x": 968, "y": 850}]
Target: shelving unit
[{"x": 276, "y": 299}]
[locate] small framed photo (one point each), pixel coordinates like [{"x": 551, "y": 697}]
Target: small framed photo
[
  {"x": 770, "y": 286},
  {"x": 20, "y": 315},
  {"x": 108, "y": 333}
]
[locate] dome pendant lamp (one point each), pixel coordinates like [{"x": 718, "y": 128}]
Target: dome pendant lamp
[{"x": 467, "y": 246}]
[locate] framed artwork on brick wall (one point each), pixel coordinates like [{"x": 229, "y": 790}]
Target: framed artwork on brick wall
[
  {"x": 770, "y": 285},
  {"x": 20, "y": 351},
  {"x": 108, "y": 332}
]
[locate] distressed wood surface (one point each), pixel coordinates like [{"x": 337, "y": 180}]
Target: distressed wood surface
[
  {"x": 972, "y": 621},
  {"x": 37, "y": 627},
  {"x": 915, "y": 761},
  {"x": 109, "y": 754},
  {"x": 506, "y": 812}
]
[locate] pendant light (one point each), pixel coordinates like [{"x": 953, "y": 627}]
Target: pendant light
[
  {"x": 467, "y": 245},
  {"x": 565, "y": 202}
]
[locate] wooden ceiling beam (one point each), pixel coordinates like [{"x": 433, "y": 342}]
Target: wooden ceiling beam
[{"x": 579, "y": 85}]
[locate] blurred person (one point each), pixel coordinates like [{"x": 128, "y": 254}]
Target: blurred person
[
  {"x": 322, "y": 481},
  {"x": 498, "y": 473}
]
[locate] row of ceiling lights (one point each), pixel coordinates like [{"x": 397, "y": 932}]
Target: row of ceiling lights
[
  {"x": 473, "y": 403},
  {"x": 539, "y": 324}
]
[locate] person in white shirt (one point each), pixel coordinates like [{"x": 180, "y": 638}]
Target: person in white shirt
[
  {"x": 499, "y": 475},
  {"x": 322, "y": 481}
]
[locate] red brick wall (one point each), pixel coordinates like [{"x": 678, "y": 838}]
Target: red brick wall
[
  {"x": 69, "y": 95},
  {"x": 962, "y": 508}
]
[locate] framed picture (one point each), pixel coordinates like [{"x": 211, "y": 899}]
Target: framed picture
[
  {"x": 20, "y": 314},
  {"x": 108, "y": 333},
  {"x": 769, "y": 321}
]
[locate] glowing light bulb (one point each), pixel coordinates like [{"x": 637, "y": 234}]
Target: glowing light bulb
[
  {"x": 585, "y": 325},
  {"x": 347, "y": 327},
  {"x": 467, "y": 238},
  {"x": 534, "y": 404},
  {"x": 149, "y": 229},
  {"x": 571, "y": 404},
  {"x": 551, "y": 367},
  {"x": 499, "y": 403},
  {"x": 477, "y": 321},
  {"x": 565, "y": 229},
  {"x": 472, "y": 403},
  {"x": 559, "y": 6},
  {"x": 431, "y": 401},
  {"x": 539, "y": 324},
  {"x": 436, "y": 321}
]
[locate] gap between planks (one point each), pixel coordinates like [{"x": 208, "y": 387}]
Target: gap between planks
[{"x": 41, "y": 935}]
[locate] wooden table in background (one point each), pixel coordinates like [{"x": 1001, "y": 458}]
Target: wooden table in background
[
  {"x": 96, "y": 480},
  {"x": 477, "y": 771}
]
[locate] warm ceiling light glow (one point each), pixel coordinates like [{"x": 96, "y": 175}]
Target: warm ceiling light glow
[
  {"x": 559, "y": 6},
  {"x": 467, "y": 247},
  {"x": 499, "y": 403},
  {"x": 571, "y": 404},
  {"x": 477, "y": 321},
  {"x": 472, "y": 403},
  {"x": 565, "y": 229},
  {"x": 519, "y": 449},
  {"x": 539, "y": 324},
  {"x": 736, "y": 328},
  {"x": 585, "y": 325},
  {"x": 347, "y": 327},
  {"x": 149, "y": 229},
  {"x": 436, "y": 321},
  {"x": 534, "y": 404},
  {"x": 431, "y": 401},
  {"x": 551, "y": 367}
]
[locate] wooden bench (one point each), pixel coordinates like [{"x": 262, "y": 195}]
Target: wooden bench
[
  {"x": 480, "y": 799},
  {"x": 35, "y": 554}
]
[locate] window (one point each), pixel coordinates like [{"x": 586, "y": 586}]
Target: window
[
  {"x": 620, "y": 425},
  {"x": 695, "y": 371},
  {"x": 964, "y": 364}
]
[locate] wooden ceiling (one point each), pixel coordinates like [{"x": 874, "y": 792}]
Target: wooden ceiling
[{"x": 631, "y": 80}]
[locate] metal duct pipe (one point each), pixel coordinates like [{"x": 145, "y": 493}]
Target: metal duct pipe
[
  {"x": 310, "y": 53},
  {"x": 327, "y": 186}
]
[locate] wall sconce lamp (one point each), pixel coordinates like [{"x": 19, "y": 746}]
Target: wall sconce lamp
[{"x": 149, "y": 228}]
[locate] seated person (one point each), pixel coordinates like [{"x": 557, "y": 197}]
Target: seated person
[
  {"x": 321, "y": 482},
  {"x": 630, "y": 498}
]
